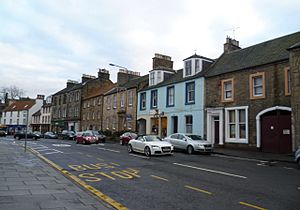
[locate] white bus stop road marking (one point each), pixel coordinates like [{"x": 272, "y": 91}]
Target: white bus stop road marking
[{"x": 211, "y": 171}]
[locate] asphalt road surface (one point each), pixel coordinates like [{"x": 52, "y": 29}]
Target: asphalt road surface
[{"x": 179, "y": 181}]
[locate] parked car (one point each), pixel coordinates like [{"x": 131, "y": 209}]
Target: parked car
[
  {"x": 297, "y": 156},
  {"x": 50, "y": 135},
  {"x": 126, "y": 137},
  {"x": 65, "y": 134},
  {"x": 38, "y": 133},
  {"x": 150, "y": 145},
  {"x": 86, "y": 137},
  {"x": 3, "y": 133},
  {"x": 30, "y": 135},
  {"x": 99, "y": 135},
  {"x": 190, "y": 143}
]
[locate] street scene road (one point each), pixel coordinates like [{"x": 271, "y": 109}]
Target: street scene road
[{"x": 179, "y": 181}]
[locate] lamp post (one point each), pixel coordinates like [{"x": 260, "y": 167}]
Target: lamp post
[
  {"x": 116, "y": 65},
  {"x": 25, "y": 147}
]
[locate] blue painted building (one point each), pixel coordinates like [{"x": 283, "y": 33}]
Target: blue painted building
[{"x": 174, "y": 100}]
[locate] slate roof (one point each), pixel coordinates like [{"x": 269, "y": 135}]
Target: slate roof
[
  {"x": 20, "y": 105},
  {"x": 264, "y": 53},
  {"x": 68, "y": 89}
]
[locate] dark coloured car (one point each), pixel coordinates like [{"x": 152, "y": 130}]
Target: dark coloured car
[
  {"x": 99, "y": 135},
  {"x": 126, "y": 137},
  {"x": 86, "y": 137},
  {"x": 38, "y": 133},
  {"x": 50, "y": 135},
  {"x": 65, "y": 134},
  {"x": 3, "y": 133},
  {"x": 22, "y": 135}
]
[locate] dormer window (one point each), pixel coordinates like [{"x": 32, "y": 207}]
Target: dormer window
[
  {"x": 188, "y": 68},
  {"x": 195, "y": 64},
  {"x": 159, "y": 75}
]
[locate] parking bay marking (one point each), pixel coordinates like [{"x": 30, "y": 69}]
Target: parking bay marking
[
  {"x": 252, "y": 206},
  {"x": 212, "y": 171},
  {"x": 139, "y": 156},
  {"x": 110, "y": 150},
  {"x": 160, "y": 178}
]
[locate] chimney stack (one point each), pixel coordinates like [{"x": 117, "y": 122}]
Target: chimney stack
[
  {"x": 41, "y": 97},
  {"x": 103, "y": 74},
  {"x": 231, "y": 45},
  {"x": 162, "y": 61},
  {"x": 71, "y": 83},
  {"x": 125, "y": 75},
  {"x": 86, "y": 77}
]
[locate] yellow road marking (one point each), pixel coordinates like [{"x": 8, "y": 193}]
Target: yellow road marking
[
  {"x": 253, "y": 206},
  {"x": 197, "y": 189},
  {"x": 158, "y": 177},
  {"x": 96, "y": 192}
]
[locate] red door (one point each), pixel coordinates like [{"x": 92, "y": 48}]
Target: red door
[{"x": 276, "y": 133}]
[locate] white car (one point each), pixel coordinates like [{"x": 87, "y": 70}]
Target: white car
[
  {"x": 150, "y": 145},
  {"x": 190, "y": 143}
]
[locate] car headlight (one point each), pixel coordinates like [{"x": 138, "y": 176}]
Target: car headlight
[
  {"x": 154, "y": 146},
  {"x": 200, "y": 145}
]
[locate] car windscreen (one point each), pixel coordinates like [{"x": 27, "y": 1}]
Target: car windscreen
[
  {"x": 152, "y": 138},
  {"x": 195, "y": 137}
]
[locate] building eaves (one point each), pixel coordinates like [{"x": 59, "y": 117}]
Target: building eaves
[{"x": 198, "y": 56}]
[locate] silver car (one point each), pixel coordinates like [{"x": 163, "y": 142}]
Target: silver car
[
  {"x": 297, "y": 156},
  {"x": 190, "y": 142}
]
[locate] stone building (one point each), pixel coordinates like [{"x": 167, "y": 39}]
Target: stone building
[
  {"x": 120, "y": 103},
  {"x": 92, "y": 101},
  {"x": 295, "y": 91},
  {"x": 248, "y": 96},
  {"x": 60, "y": 106}
]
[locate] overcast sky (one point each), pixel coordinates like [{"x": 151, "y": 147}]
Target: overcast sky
[{"x": 43, "y": 43}]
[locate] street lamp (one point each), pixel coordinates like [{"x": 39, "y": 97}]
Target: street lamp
[{"x": 116, "y": 65}]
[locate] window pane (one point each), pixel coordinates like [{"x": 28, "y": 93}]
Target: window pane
[
  {"x": 242, "y": 115},
  {"x": 257, "y": 81},
  {"x": 258, "y": 91},
  {"x": 242, "y": 131},
  {"x": 231, "y": 116},
  {"x": 232, "y": 131}
]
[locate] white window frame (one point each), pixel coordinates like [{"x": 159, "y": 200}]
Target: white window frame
[
  {"x": 114, "y": 101},
  {"x": 237, "y": 123}
]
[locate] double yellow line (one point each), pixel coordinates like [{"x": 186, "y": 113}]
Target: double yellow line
[{"x": 93, "y": 190}]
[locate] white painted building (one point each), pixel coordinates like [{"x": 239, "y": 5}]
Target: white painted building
[{"x": 15, "y": 115}]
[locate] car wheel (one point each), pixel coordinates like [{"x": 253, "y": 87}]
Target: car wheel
[
  {"x": 77, "y": 142},
  {"x": 147, "y": 151},
  {"x": 190, "y": 149},
  {"x": 18, "y": 137},
  {"x": 83, "y": 142},
  {"x": 298, "y": 161},
  {"x": 129, "y": 148},
  {"x": 34, "y": 138}
]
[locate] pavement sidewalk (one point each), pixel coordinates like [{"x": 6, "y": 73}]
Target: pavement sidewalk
[
  {"x": 255, "y": 155},
  {"x": 28, "y": 183}
]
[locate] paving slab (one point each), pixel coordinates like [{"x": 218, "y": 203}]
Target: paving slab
[{"x": 28, "y": 183}]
